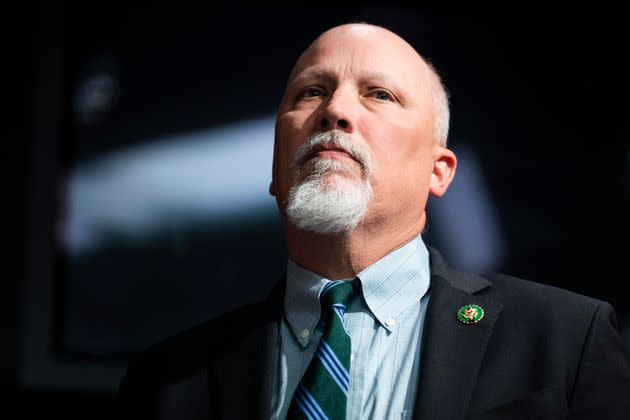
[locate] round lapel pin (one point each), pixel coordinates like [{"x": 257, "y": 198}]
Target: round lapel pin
[{"x": 470, "y": 314}]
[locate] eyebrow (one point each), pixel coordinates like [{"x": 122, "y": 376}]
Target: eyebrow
[
  {"x": 313, "y": 73},
  {"x": 381, "y": 79},
  {"x": 377, "y": 77}
]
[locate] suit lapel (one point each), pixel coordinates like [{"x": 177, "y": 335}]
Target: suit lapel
[
  {"x": 452, "y": 351},
  {"x": 243, "y": 375}
]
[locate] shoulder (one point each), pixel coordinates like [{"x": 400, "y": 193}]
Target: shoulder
[
  {"x": 527, "y": 304},
  {"x": 530, "y": 296},
  {"x": 574, "y": 336},
  {"x": 178, "y": 367},
  {"x": 201, "y": 338},
  {"x": 566, "y": 319},
  {"x": 518, "y": 290},
  {"x": 192, "y": 350}
]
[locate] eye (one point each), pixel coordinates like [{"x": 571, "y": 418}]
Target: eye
[
  {"x": 382, "y": 95},
  {"x": 311, "y": 92}
]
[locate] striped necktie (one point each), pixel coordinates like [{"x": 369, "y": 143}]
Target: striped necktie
[{"x": 323, "y": 391}]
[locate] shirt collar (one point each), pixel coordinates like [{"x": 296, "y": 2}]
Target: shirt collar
[
  {"x": 389, "y": 286},
  {"x": 396, "y": 282},
  {"x": 302, "y": 309}
]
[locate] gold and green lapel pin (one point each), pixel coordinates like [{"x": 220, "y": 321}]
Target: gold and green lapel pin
[{"x": 470, "y": 314}]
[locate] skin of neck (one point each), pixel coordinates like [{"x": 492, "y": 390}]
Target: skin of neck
[{"x": 343, "y": 256}]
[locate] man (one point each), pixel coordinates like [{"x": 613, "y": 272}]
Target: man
[{"x": 360, "y": 144}]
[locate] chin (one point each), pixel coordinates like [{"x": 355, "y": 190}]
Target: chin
[
  {"x": 339, "y": 180},
  {"x": 329, "y": 204}
]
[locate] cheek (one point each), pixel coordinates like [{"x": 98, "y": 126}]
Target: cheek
[
  {"x": 396, "y": 149},
  {"x": 402, "y": 163},
  {"x": 290, "y": 133}
]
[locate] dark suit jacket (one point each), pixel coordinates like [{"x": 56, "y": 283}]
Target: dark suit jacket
[{"x": 539, "y": 352}]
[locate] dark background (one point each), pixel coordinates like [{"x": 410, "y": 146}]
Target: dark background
[{"x": 539, "y": 95}]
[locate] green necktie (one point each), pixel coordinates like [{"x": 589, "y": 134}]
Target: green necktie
[{"x": 323, "y": 391}]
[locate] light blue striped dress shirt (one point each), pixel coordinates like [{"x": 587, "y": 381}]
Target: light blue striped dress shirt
[{"x": 385, "y": 324}]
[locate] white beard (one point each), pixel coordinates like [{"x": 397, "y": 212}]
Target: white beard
[{"x": 327, "y": 201}]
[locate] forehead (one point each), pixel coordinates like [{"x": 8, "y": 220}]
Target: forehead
[{"x": 360, "y": 50}]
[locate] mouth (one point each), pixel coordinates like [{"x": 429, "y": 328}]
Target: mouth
[{"x": 329, "y": 152}]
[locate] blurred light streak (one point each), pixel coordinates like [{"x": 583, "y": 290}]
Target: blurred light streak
[{"x": 213, "y": 176}]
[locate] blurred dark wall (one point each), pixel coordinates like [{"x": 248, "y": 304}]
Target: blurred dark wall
[{"x": 16, "y": 169}]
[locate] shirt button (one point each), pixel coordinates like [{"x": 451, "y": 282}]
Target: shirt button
[
  {"x": 305, "y": 333},
  {"x": 390, "y": 322}
]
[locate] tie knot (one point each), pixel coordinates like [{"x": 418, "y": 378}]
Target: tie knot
[{"x": 338, "y": 292}]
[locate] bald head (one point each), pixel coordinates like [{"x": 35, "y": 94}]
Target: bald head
[
  {"x": 358, "y": 147},
  {"x": 385, "y": 43}
]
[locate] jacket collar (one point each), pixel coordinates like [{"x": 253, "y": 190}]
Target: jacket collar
[{"x": 452, "y": 351}]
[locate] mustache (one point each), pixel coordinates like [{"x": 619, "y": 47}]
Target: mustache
[{"x": 338, "y": 140}]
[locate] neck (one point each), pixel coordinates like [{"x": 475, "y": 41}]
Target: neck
[{"x": 342, "y": 256}]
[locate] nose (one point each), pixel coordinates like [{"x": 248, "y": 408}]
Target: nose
[{"x": 336, "y": 115}]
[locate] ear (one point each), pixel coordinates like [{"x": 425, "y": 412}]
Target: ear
[{"x": 444, "y": 164}]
